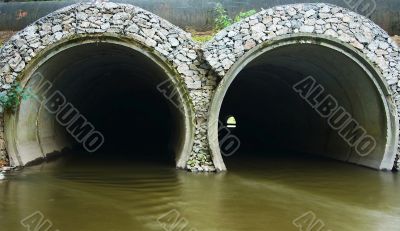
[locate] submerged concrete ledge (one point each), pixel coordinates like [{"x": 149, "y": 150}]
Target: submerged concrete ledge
[{"x": 103, "y": 56}]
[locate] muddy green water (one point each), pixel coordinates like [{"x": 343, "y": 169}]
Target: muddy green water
[{"x": 255, "y": 195}]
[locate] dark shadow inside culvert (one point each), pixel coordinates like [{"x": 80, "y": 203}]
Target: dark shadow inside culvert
[
  {"x": 274, "y": 120},
  {"x": 117, "y": 90}
]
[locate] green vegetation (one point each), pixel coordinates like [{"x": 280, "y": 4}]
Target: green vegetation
[
  {"x": 223, "y": 20},
  {"x": 202, "y": 38},
  {"x": 243, "y": 15},
  {"x": 11, "y": 99},
  {"x": 1, "y": 42}
]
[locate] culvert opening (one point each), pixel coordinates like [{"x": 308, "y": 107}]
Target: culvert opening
[
  {"x": 275, "y": 96},
  {"x": 115, "y": 89}
]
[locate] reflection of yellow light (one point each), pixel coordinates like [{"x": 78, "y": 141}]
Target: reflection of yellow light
[{"x": 231, "y": 122}]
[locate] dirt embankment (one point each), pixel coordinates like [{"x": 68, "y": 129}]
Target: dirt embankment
[
  {"x": 396, "y": 38},
  {"x": 5, "y": 35}
]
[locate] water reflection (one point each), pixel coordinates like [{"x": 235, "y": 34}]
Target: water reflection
[{"x": 254, "y": 195}]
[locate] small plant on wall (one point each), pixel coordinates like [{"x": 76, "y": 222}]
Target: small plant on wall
[
  {"x": 243, "y": 15},
  {"x": 223, "y": 20},
  {"x": 11, "y": 99}
]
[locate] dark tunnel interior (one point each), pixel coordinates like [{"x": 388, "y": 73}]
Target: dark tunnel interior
[{"x": 116, "y": 89}]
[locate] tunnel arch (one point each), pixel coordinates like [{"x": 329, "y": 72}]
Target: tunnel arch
[
  {"x": 20, "y": 130},
  {"x": 319, "y": 25},
  {"x": 122, "y": 25}
]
